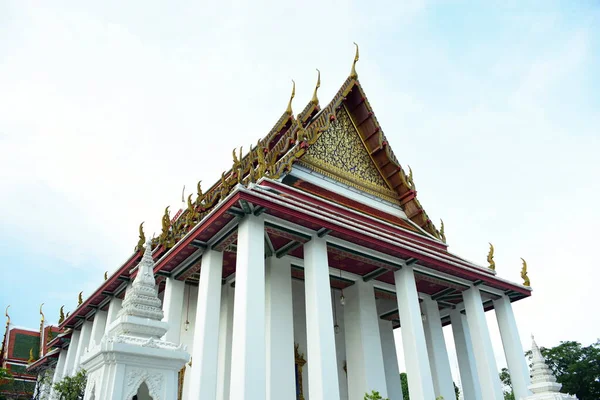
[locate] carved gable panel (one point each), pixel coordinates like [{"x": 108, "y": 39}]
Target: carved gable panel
[{"x": 339, "y": 153}]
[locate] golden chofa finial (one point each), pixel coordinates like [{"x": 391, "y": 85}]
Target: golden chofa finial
[
  {"x": 315, "y": 99},
  {"x": 183, "y": 195},
  {"x": 200, "y": 194},
  {"x": 353, "y": 73},
  {"x": 289, "y": 107},
  {"x": 524, "y": 274},
  {"x": 80, "y": 298},
  {"x": 7, "y": 316},
  {"x": 490, "y": 258},
  {"x": 442, "y": 231},
  {"x": 31, "y": 359},
  {"x": 61, "y": 315},
  {"x": 141, "y": 241},
  {"x": 42, "y": 313},
  {"x": 105, "y": 275}
]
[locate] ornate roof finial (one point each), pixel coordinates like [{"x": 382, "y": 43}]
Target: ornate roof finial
[
  {"x": 105, "y": 275},
  {"x": 80, "y": 299},
  {"x": 200, "y": 194},
  {"x": 7, "y": 316},
  {"x": 289, "y": 107},
  {"x": 42, "y": 314},
  {"x": 61, "y": 316},
  {"x": 353, "y": 73},
  {"x": 142, "y": 238},
  {"x": 442, "y": 231},
  {"x": 524, "y": 274},
  {"x": 490, "y": 258},
  {"x": 315, "y": 99},
  {"x": 183, "y": 195},
  {"x": 31, "y": 359}
]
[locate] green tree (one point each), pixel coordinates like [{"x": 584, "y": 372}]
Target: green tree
[
  {"x": 404, "y": 383},
  {"x": 71, "y": 387},
  {"x": 374, "y": 396},
  {"x": 576, "y": 367},
  {"x": 507, "y": 389}
]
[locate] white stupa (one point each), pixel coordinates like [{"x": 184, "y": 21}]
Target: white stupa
[
  {"x": 132, "y": 353},
  {"x": 543, "y": 382}
]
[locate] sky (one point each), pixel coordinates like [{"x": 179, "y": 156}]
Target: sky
[{"x": 107, "y": 109}]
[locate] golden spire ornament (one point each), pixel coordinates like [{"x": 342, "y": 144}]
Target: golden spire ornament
[
  {"x": 200, "y": 194},
  {"x": 353, "y": 73},
  {"x": 289, "y": 107},
  {"x": 142, "y": 238},
  {"x": 526, "y": 281},
  {"x": 442, "y": 231},
  {"x": 61, "y": 316},
  {"x": 7, "y": 316},
  {"x": 31, "y": 359},
  {"x": 80, "y": 298},
  {"x": 315, "y": 99},
  {"x": 42, "y": 314},
  {"x": 105, "y": 275},
  {"x": 490, "y": 258}
]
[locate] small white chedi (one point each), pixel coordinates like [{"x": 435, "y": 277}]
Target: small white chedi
[
  {"x": 132, "y": 352},
  {"x": 543, "y": 382}
]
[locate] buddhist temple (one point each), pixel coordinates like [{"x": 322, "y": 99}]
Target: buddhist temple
[{"x": 287, "y": 277}]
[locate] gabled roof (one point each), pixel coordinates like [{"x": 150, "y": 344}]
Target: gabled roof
[{"x": 288, "y": 142}]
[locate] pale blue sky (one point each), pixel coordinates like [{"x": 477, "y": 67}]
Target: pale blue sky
[{"x": 108, "y": 108}]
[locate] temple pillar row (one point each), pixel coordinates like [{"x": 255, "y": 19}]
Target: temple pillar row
[
  {"x": 436, "y": 349},
  {"x": 114, "y": 307},
  {"x": 485, "y": 362},
  {"x": 513, "y": 349},
  {"x": 418, "y": 371},
  {"x": 71, "y": 351},
  {"x": 173, "y": 308},
  {"x": 466, "y": 358},
  {"x": 390, "y": 360}
]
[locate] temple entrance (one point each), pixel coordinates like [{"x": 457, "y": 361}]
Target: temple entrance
[{"x": 143, "y": 393}]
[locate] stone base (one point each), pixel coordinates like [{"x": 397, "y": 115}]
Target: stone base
[{"x": 119, "y": 365}]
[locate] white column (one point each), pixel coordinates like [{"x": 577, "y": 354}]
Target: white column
[
  {"x": 390, "y": 360},
  {"x": 436, "y": 349},
  {"x": 203, "y": 375},
  {"x": 113, "y": 310},
  {"x": 281, "y": 375},
  {"x": 322, "y": 367},
  {"x": 98, "y": 327},
  {"x": 418, "y": 372},
  {"x": 71, "y": 352},
  {"x": 466, "y": 359},
  {"x": 173, "y": 308},
  {"x": 513, "y": 349},
  {"x": 84, "y": 342},
  {"x": 365, "y": 367},
  {"x": 248, "y": 347},
  {"x": 487, "y": 370},
  {"x": 225, "y": 335},
  {"x": 60, "y": 366}
]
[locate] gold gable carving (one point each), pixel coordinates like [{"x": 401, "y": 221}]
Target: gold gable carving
[{"x": 340, "y": 154}]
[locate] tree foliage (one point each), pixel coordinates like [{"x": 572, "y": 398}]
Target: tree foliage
[
  {"x": 71, "y": 387},
  {"x": 374, "y": 396},
  {"x": 406, "y": 395}
]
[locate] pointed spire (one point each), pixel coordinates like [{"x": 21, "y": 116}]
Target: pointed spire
[
  {"x": 7, "y": 316},
  {"x": 353, "y": 73},
  {"x": 543, "y": 380},
  {"x": 141, "y": 300},
  {"x": 289, "y": 107},
  {"x": 315, "y": 99},
  {"x": 442, "y": 231},
  {"x": 42, "y": 314}
]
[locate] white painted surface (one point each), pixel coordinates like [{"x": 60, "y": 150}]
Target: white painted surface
[
  {"x": 390, "y": 360},
  {"x": 299, "y": 306},
  {"x": 280, "y": 376},
  {"x": 420, "y": 382},
  {"x": 225, "y": 335},
  {"x": 84, "y": 342},
  {"x": 98, "y": 327},
  {"x": 487, "y": 369},
  {"x": 187, "y": 336},
  {"x": 248, "y": 353},
  {"x": 365, "y": 366},
  {"x": 71, "y": 352},
  {"x": 203, "y": 375},
  {"x": 436, "y": 349},
  {"x": 60, "y": 366},
  {"x": 173, "y": 306},
  {"x": 513, "y": 349},
  {"x": 322, "y": 366},
  {"x": 113, "y": 310},
  {"x": 466, "y": 359}
]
